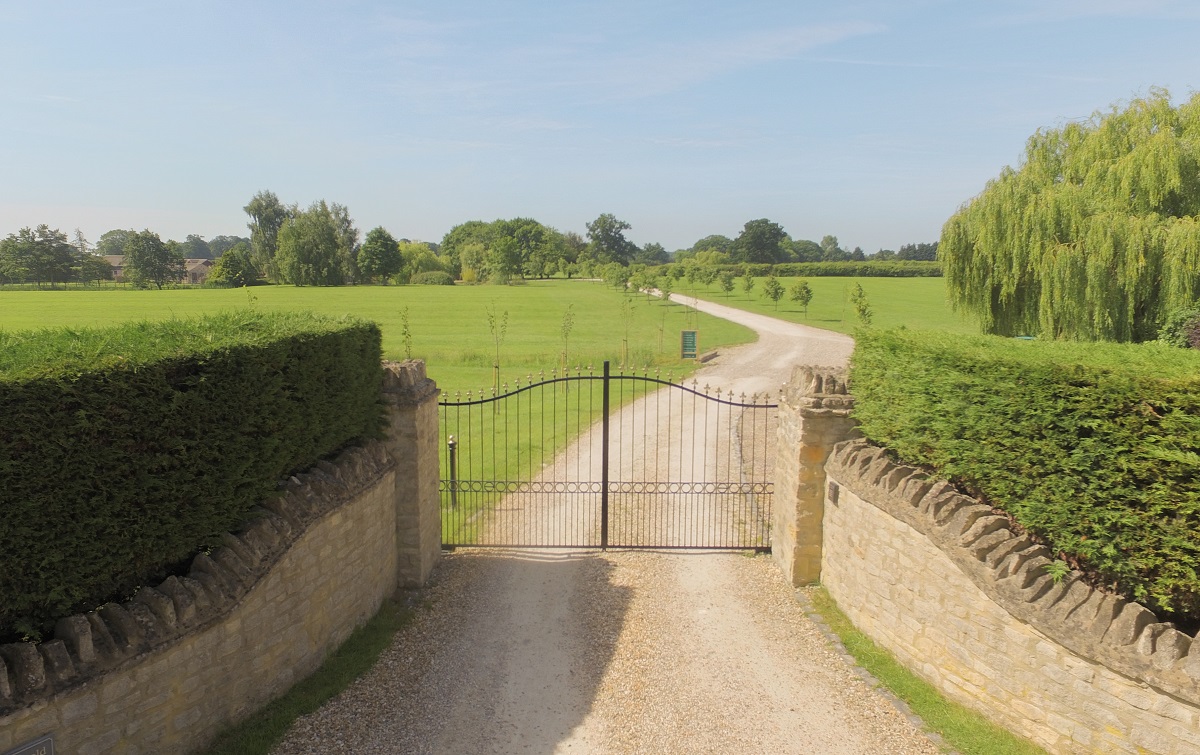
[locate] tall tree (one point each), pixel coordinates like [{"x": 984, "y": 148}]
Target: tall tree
[
  {"x": 831, "y": 250},
  {"x": 652, "y": 253},
  {"x": 715, "y": 242},
  {"x": 39, "y": 255},
  {"x": 760, "y": 241},
  {"x": 267, "y": 215},
  {"x": 112, "y": 242},
  {"x": 195, "y": 248},
  {"x": 804, "y": 250},
  {"x": 235, "y": 267},
  {"x": 379, "y": 257},
  {"x": 149, "y": 261},
  {"x": 927, "y": 252},
  {"x": 310, "y": 248},
  {"x": 218, "y": 245},
  {"x": 1095, "y": 236},
  {"x": 608, "y": 242}
]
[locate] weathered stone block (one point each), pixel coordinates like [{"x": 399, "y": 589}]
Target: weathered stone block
[
  {"x": 57, "y": 661},
  {"x": 6, "y": 689},
  {"x": 182, "y": 601},
  {"x": 25, "y": 665},
  {"x": 76, "y": 632},
  {"x": 154, "y": 630},
  {"x": 1129, "y": 623},
  {"x": 160, "y": 605},
  {"x": 127, "y": 634}
]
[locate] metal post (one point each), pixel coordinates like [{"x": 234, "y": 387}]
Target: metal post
[
  {"x": 604, "y": 465},
  {"x": 453, "y": 445}
]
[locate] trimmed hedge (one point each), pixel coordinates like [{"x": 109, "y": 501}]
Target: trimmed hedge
[
  {"x": 1094, "y": 448},
  {"x": 880, "y": 269},
  {"x": 126, "y": 450}
]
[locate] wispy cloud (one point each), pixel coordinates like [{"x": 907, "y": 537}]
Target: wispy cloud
[{"x": 676, "y": 66}]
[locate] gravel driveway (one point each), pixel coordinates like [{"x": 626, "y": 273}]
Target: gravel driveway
[{"x": 620, "y": 652}]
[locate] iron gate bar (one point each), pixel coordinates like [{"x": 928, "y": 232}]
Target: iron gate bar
[{"x": 487, "y": 503}]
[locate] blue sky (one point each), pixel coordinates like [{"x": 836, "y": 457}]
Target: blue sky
[{"x": 872, "y": 121}]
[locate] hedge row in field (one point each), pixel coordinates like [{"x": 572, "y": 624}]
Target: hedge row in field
[
  {"x": 881, "y": 269},
  {"x": 1093, "y": 447},
  {"x": 125, "y": 450}
]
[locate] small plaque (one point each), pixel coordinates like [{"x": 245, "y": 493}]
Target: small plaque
[
  {"x": 41, "y": 746},
  {"x": 689, "y": 345}
]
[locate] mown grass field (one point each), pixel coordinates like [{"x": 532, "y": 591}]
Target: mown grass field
[
  {"x": 448, "y": 324},
  {"x": 915, "y": 303}
]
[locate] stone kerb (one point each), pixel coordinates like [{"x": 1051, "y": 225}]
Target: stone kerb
[
  {"x": 814, "y": 415},
  {"x": 1122, "y": 679},
  {"x": 412, "y": 400}
]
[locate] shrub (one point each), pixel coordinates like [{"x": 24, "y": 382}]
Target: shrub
[
  {"x": 1182, "y": 328},
  {"x": 127, "y": 449},
  {"x": 1091, "y": 447},
  {"x": 432, "y": 278}
]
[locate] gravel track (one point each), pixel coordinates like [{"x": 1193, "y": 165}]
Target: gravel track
[{"x": 549, "y": 651}]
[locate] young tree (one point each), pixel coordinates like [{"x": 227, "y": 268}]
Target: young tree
[
  {"x": 150, "y": 262},
  {"x": 665, "y": 284},
  {"x": 773, "y": 289},
  {"x": 802, "y": 294},
  {"x": 862, "y": 306},
  {"x": 725, "y": 277},
  {"x": 1093, "y": 237},
  {"x": 747, "y": 281}
]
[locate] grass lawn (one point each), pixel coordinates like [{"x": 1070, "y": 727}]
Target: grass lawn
[
  {"x": 915, "y": 303},
  {"x": 448, "y": 324}
]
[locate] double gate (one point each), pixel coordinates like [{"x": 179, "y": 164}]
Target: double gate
[{"x": 609, "y": 460}]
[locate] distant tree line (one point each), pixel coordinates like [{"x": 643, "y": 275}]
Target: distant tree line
[{"x": 319, "y": 245}]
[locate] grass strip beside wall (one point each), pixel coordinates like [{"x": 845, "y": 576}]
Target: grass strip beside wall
[
  {"x": 126, "y": 450},
  {"x": 963, "y": 729}
]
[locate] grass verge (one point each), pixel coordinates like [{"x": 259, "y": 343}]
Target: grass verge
[
  {"x": 263, "y": 730},
  {"x": 962, "y": 729}
]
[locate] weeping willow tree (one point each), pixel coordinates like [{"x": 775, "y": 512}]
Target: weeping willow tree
[{"x": 1094, "y": 237}]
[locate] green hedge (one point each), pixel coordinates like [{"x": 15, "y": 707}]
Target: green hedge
[
  {"x": 881, "y": 269},
  {"x": 432, "y": 278},
  {"x": 1095, "y": 448},
  {"x": 127, "y": 449}
]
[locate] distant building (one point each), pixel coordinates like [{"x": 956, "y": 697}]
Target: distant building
[
  {"x": 195, "y": 270},
  {"x": 118, "y": 265}
]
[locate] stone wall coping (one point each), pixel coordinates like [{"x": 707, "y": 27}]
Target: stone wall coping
[
  {"x": 406, "y": 384},
  {"x": 88, "y": 646},
  {"x": 1010, "y": 569}
]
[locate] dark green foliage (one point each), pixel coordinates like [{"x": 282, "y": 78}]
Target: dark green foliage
[
  {"x": 1182, "y": 328},
  {"x": 1094, "y": 448},
  {"x": 432, "y": 278},
  {"x": 125, "y": 450}
]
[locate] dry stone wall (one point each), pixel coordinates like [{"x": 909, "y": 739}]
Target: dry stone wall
[{"x": 944, "y": 583}]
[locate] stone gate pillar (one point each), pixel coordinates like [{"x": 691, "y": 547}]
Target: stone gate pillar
[
  {"x": 814, "y": 415},
  {"x": 412, "y": 440}
]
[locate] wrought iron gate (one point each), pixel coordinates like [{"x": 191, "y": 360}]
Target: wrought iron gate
[{"x": 600, "y": 461}]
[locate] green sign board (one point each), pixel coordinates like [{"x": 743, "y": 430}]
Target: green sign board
[{"x": 689, "y": 345}]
